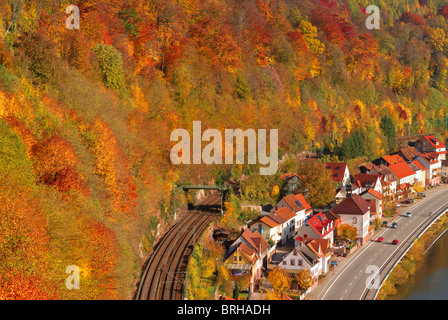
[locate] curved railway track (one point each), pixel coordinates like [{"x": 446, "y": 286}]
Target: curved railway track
[{"x": 164, "y": 274}]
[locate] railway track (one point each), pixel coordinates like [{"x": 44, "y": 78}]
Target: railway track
[{"x": 164, "y": 274}]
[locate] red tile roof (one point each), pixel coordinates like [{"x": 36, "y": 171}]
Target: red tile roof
[
  {"x": 337, "y": 170},
  {"x": 376, "y": 194},
  {"x": 366, "y": 179},
  {"x": 352, "y": 205},
  {"x": 393, "y": 159},
  {"x": 303, "y": 201},
  {"x": 318, "y": 246},
  {"x": 291, "y": 200},
  {"x": 268, "y": 221},
  {"x": 409, "y": 153},
  {"x": 286, "y": 297},
  {"x": 285, "y": 213},
  {"x": 418, "y": 164},
  {"x": 401, "y": 170},
  {"x": 255, "y": 240},
  {"x": 318, "y": 222},
  {"x": 434, "y": 141}
]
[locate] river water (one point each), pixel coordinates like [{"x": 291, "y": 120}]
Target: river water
[{"x": 431, "y": 280}]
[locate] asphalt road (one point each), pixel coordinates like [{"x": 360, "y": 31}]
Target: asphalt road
[{"x": 352, "y": 279}]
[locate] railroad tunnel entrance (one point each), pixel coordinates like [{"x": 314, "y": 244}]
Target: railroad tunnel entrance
[{"x": 190, "y": 188}]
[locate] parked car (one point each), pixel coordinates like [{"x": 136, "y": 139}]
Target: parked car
[
  {"x": 333, "y": 263},
  {"x": 394, "y": 225},
  {"x": 384, "y": 224},
  {"x": 380, "y": 239},
  {"x": 395, "y": 241},
  {"x": 421, "y": 194},
  {"x": 408, "y": 214}
]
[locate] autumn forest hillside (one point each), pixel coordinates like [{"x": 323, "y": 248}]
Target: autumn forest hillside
[{"x": 86, "y": 115}]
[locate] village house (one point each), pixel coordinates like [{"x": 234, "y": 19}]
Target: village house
[
  {"x": 317, "y": 227},
  {"x": 355, "y": 211},
  {"x": 341, "y": 194},
  {"x": 297, "y": 204},
  {"x": 279, "y": 226},
  {"x": 403, "y": 173},
  {"x": 389, "y": 181},
  {"x": 430, "y": 161},
  {"x": 292, "y": 183},
  {"x": 376, "y": 200},
  {"x": 364, "y": 181},
  {"x": 339, "y": 172},
  {"x": 311, "y": 254},
  {"x": 389, "y": 160},
  {"x": 420, "y": 173},
  {"x": 406, "y": 178},
  {"x": 248, "y": 255},
  {"x": 430, "y": 144}
]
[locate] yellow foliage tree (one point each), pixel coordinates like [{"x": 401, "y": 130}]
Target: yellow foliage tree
[{"x": 280, "y": 280}]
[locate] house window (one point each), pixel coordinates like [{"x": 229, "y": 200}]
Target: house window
[
  {"x": 284, "y": 262},
  {"x": 354, "y": 220},
  {"x": 300, "y": 262},
  {"x": 293, "y": 262}
]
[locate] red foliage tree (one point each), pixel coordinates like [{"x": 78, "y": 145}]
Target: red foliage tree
[
  {"x": 409, "y": 17},
  {"x": 330, "y": 24},
  {"x": 55, "y": 163}
]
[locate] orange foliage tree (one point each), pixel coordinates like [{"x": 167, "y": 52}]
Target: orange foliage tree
[
  {"x": 55, "y": 164},
  {"x": 24, "y": 244},
  {"x": 113, "y": 165}
]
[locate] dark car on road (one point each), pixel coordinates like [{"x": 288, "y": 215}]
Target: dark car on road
[
  {"x": 394, "y": 225},
  {"x": 421, "y": 194}
]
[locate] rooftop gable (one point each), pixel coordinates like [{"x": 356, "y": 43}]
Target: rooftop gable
[
  {"x": 366, "y": 179},
  {"x": 352, "y": 205},
  {"x": 299, "y": 197},
  {"x": 434, "y": 141},
  {"x": 294, "y": 204},
  {"x": 285, "y": 213},
  {"x": 337, "y": 170}
]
